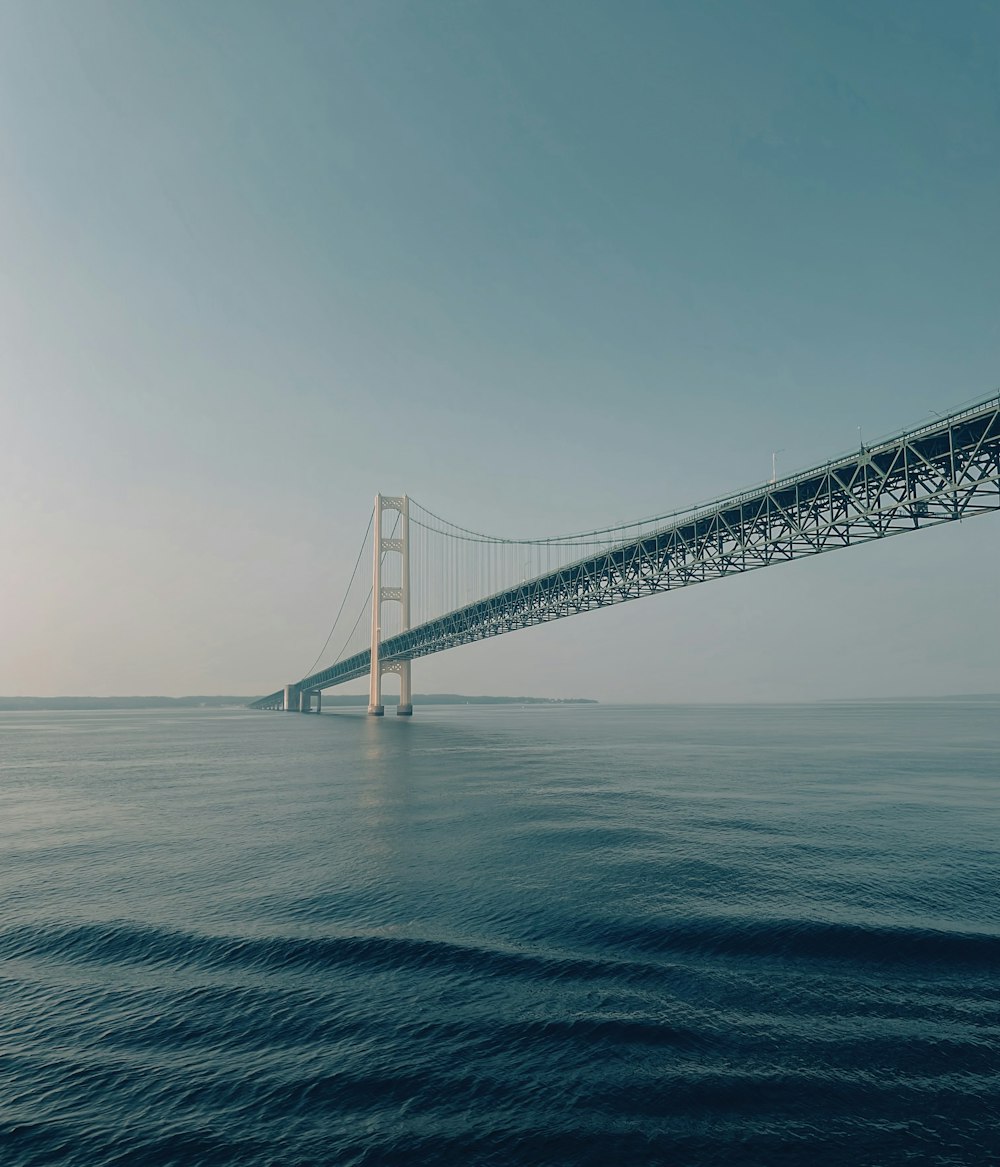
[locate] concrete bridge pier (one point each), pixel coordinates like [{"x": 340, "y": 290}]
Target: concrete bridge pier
[
  {"x": 405, "y": 706},
  {"x": 299, "y": 700}
]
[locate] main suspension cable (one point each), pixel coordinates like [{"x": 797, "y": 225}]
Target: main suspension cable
[
  {"x": 357, "y": 564},
  {"x": 577, "y": 538},
  {"x": 343, "y": 651},
  {"x": 364, "y": 605}
]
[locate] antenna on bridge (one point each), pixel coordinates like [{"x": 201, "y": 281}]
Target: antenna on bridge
[{"x": 400, "y": 503}]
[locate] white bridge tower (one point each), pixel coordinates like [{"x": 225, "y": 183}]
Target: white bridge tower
[{"x": 400, "y": 595}]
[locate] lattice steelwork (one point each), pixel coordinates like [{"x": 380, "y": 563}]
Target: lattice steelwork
[{"x": 942, "y": 472}]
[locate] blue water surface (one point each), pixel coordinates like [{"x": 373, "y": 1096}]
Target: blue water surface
[{"x": 501, "y": 936}]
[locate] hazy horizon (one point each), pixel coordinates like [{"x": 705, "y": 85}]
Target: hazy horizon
[{"x": 541, "y": 698}]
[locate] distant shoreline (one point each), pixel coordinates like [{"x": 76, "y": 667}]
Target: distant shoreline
[
  {"x": 23, "y": 704},
  {"x": 360, "y": 700}
]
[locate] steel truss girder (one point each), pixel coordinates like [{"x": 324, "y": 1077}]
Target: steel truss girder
[{"x": 940, "y": 473}]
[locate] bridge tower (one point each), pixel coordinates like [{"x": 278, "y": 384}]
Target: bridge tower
[{"x": 400, "y": 595}]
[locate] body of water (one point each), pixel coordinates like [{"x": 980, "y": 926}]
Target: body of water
[{"x": 501, "y": 936}]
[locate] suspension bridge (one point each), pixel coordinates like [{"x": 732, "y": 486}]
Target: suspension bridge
[{"x": 435, "y": 585}]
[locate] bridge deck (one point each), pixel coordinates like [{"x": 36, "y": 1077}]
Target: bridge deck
[{"x": 939, "y": 473}]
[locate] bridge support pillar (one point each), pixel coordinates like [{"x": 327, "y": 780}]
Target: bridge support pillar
[
  {"x": 405, "y": 706},
  {"x": 305, "y": 701},
  {"x": 292, "y": 699},
  {"x": 319, "y": 700},
  {"x": 400, "y": 595},
  {"x": 375, "y": 706}
]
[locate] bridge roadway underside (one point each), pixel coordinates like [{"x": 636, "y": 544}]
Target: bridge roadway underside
[{"x": 940, "y": 473}]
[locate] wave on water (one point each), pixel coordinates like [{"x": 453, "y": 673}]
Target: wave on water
[{"x": 128, "y": 942}]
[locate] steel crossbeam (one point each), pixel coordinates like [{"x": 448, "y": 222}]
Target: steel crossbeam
[{"x": 943, "y": 472}]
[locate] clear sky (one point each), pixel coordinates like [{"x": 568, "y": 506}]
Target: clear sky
[{"x": 542, "y": 266}]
